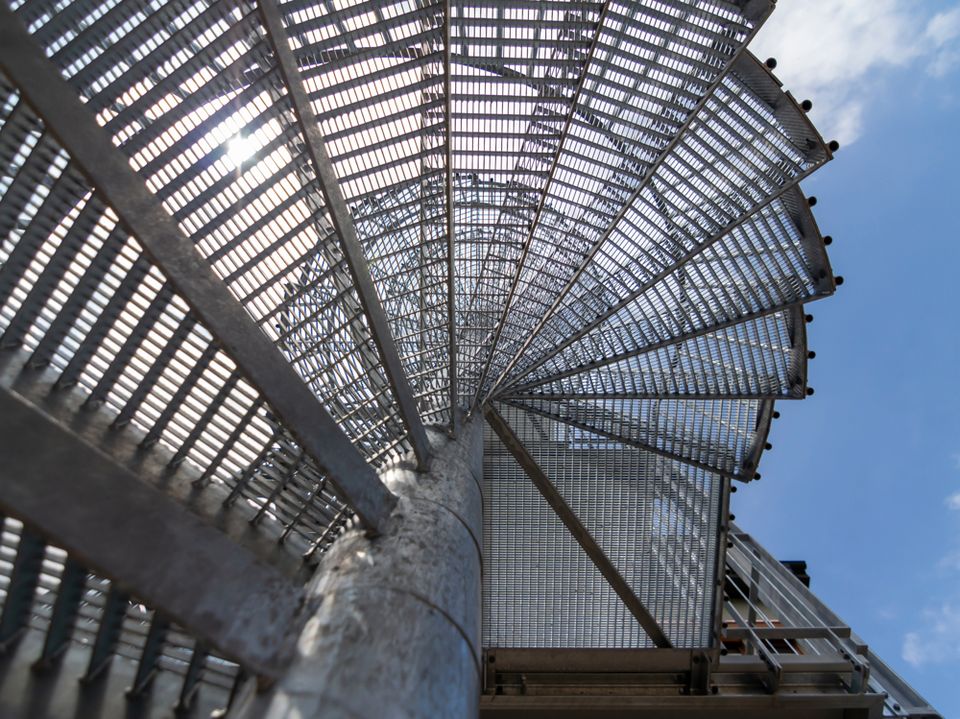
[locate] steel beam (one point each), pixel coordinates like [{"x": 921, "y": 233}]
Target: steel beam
[
  {"x": 841, "y": 632},
  {"x": 346, "y": 231},
  {"x": 575, "y": 527},
  {"x": 23, "y": 580},
  {"x": 569, "y": 705},
  {"x": 174, "y": 254},
  {"x": 63, "y": 618},
  {"x": 141, "y": 535},
  {"x": 552, "y": 660},
  {"x": 151, "y": 463}
]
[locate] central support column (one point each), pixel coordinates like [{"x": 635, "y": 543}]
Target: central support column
[{"x": 396, "y": 631}]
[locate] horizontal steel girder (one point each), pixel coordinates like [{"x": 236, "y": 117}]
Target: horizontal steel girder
[{"x": 175, "y": 255}]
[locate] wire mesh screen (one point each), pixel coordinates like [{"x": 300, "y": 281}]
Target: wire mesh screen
[{"x": 655, "y": 519}]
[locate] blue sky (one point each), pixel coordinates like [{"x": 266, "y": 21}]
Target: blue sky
[{"x": 863, "y": 481}]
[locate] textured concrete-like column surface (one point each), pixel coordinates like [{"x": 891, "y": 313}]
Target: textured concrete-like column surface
[{"x": 396, "y": 629}]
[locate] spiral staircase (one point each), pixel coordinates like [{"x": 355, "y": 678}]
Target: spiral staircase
[{"x": 255, "y": 253}]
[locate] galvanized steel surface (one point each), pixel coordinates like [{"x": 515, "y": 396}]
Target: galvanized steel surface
[
  {"x": 396, "y": 632},
  {"x": 587, "y": 213}
]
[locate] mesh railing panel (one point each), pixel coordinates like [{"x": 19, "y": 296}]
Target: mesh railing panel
[
  {"x": 539, "y": 588},
  {"x": 664, "y": 546}
]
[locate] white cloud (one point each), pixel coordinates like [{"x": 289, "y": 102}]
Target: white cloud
[
  {"x": 886, "y": 614},
  {"x": 950, "y": 562},
  {"x": 939, "y": 639},
  {"x": 942, "y": 32},
  {"x": 944, "y": 26},
  {"x": 833, "y": 53},
  {"x": 953, "y": 501},
  {"x": 912, "y": 651}
]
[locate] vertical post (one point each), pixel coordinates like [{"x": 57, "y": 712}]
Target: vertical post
[
  {"x": 396, "y": 624},
  {"x": 451, "y": 218}
]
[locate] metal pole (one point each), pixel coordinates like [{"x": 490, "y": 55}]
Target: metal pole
[{"x": 396, "y": 627}]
